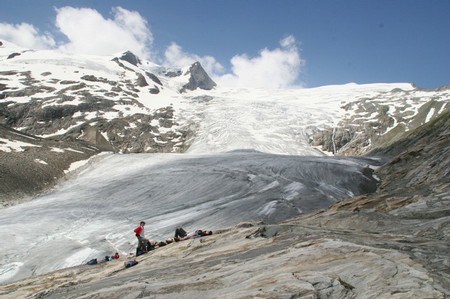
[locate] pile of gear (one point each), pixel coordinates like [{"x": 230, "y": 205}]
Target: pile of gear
[{"x": 106, "y": 259}]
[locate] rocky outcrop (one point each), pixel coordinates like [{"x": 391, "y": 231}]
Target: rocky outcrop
[
  {"x": 198, "y": 79},
  {"x": 130, "y": 58},
  {"x": 93, "y": 136},
  {"x": 247, "y": 261},
  {"x": 410, "y": 211},
  {"x": 110, "y": 96}
]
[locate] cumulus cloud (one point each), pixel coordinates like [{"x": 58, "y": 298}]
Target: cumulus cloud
[
  {"x": 26, "y": 35},
  {"x": 278, "y": 68},
  {"x": 89, "y": 32}
]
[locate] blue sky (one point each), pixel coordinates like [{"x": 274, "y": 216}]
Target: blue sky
[{"x": 261, "y": 42}]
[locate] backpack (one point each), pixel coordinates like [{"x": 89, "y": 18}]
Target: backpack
[
  {"x": 92, "y": 262},
  {"x": 129, "y": 264}
]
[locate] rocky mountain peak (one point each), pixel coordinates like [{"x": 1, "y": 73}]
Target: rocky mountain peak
[
  {"x": 198, "y": 78},
  {"x": 130, "y": 57}
]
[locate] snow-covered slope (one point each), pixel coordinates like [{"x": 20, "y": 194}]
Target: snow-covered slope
[{"x": 131, "y": 102}]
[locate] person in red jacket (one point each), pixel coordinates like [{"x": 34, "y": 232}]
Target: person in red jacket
[
  {"x": 143, "y": 243},
  {"x": 140, "y": 229}
]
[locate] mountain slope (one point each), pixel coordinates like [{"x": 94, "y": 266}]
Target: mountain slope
[{"x": 47, "y": 93}]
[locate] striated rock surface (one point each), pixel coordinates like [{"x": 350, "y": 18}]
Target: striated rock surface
[{"x": 279, "y": 261}]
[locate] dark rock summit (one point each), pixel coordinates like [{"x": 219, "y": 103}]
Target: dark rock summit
[
  {"x": 130, "y": 58},
  {"x": 198, "y": 79}
]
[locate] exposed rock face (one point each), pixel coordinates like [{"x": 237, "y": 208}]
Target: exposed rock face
[
  {"x": 130, "y": 58},
  {"x": 198, "y": 79},
  {"x": 410, "y": 211},
  {"x": 421, "y": 160},
  {"x": 153, "y": 78}
]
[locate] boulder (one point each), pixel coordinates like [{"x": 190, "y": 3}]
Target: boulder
[{"x": 93, "y": 136}]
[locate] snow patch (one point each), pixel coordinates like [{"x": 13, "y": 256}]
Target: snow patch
[
  {"x": 76, "y": 165},
  {"x": 429, "y": 115},
  {"x": 8, "y": 271},
  {"x": 268, "y": 208},
  {"x": 57, "y": 150},
  {"x": 8, "y": 146},
  {"x": 40, "y": 161}
]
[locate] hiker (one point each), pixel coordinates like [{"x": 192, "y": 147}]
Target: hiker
[
  {"x": 180, "y": 234},
  {"x": 144, "y": 244}
]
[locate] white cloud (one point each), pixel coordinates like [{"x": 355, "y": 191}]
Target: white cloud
[
  {"x": 25, "y": 35},
  {"x": 89, "y": 32},
  {"x": 278, "y": 68}
]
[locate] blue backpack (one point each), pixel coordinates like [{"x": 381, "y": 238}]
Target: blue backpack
[{"x": 129, "y": 264}]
